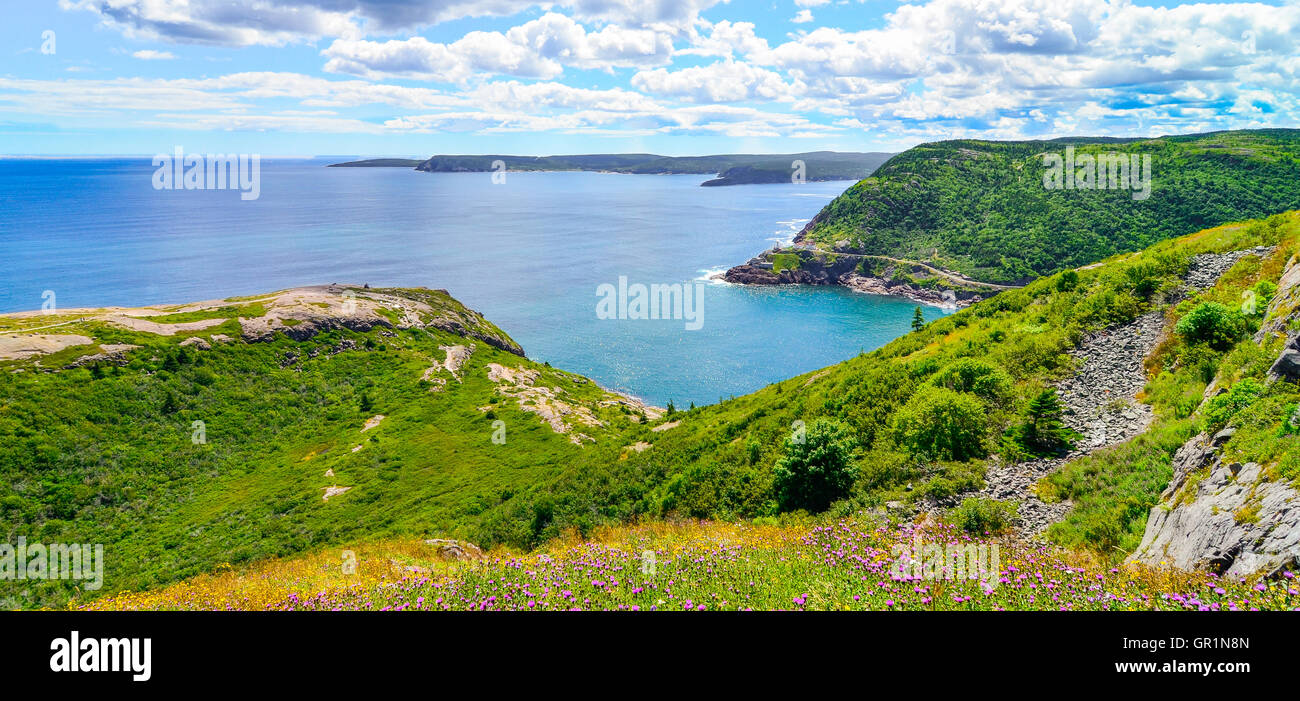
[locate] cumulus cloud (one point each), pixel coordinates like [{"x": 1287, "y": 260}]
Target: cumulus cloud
[
  {"x": 725, "y": 39},
  {"x": 927, "y": 69},
  {"x": 725, "y": 81},
  {"x": 537, "y": 49}
]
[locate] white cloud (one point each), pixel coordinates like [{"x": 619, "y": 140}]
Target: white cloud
[
  {"x": 802, "y": 17},
  {"x": 725, "y": 81},
  {"x": 537, "y": 49},
  {"x": 929, "y": 67},
  {"x": 151, "y": 55},
  {"x": 726, "y": 39}
]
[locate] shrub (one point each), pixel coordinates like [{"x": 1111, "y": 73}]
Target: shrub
[
  {"x": 1067, "y": 281},
  {"x": 979, "y": 377},
  {"x": 1213, "y": 324},
  {"x": 942, "y": 424},
  {"x": 1223, "y": 407},
  {"x": 815, "y": 467},
  {"x": 979, "y": 516}
]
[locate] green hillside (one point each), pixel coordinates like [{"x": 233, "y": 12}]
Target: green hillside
[
  {"x": 922, "y": 419},
  {"x": 325, "y": 425},
  {"x": 97, "y": 440},
  {"x": 981, "y": 207}
]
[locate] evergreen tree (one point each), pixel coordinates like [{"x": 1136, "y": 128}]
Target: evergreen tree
[
  {"x": 1043, "y": 427},
  {"x": 365, "y": 403},
  {"x": 918, "y": 320}
]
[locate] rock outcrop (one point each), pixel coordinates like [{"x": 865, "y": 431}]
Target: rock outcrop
[
  {"x": 1225, "y": 516},
  {"x": 1233, "y": 520},
  {"x": 833, "y": 268}
]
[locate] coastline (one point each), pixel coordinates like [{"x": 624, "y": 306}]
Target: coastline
[{"x": 886, "y": 277}]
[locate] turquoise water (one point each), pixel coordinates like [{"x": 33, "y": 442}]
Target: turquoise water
[{"x": 529, "y": 254}]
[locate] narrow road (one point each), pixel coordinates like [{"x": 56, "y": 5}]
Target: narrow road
[{"x": 955, "y": 277}]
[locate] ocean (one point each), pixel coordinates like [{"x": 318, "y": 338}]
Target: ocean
[{"x": 530, "y": 254}]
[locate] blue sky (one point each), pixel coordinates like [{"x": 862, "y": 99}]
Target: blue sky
[{"x": 417, "y": 77}]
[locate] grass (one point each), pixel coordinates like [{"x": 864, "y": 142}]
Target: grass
[
  {"x": 854, "y": 563},
  {"x": 785, "y": 261},
  {"x": 246, "y": 311}
]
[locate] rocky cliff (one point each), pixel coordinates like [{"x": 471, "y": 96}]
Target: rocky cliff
[
  {"x": 867, "y": 274},
  {"x": 1225, "y": 516}
]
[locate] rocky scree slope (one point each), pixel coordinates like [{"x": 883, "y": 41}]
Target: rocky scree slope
[{"x": 1099, "y": 399}]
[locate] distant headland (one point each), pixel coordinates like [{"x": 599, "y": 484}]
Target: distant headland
[{"x": 729, "y": 169}]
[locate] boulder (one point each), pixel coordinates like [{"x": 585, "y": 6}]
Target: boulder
[
  {"x": 1287, "y": 365},
  {"x": 455, "y": 549}
]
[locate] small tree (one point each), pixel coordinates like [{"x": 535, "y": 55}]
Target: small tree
[
  {"x": 1067, "y": 281},
  {"x": 918, "y": 320},
  {"x": 1043, "y": 428},
  {"x": 815, "y": 467},
  {"x": 365, "y": 403}
]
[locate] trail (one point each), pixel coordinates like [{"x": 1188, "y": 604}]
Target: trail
[{"x": 948, "y": 274}]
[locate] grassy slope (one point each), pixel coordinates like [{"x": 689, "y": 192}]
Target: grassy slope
[
  {"x": 105, "y": 456},
  {"x": 980, "y": 208},
  {"x": 1114, "y": 490},
  {"x": 718, "y": 462}
]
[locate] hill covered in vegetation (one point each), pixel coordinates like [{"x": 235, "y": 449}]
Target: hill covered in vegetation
[
  {"x": 1008, "y": 211},
  {"x": 192, "y": 437},
  {"x": 183, "y": 437}
]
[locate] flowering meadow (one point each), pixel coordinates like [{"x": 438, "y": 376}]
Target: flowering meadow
[{"x": 848, "y": 564}]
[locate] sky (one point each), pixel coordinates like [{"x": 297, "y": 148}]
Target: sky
[{"x": 675, "y": 77}]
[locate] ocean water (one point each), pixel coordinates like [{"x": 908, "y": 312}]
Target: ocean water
[{"x": 529, "y": 254}]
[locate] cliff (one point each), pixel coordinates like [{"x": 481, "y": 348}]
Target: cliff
[
  {"x": 1223, "y": 512},
  {"x": 868, "y": 274}
]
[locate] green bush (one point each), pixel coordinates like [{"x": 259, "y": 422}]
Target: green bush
[
  {"x": 979, "y": 516},
  {"x": 1222, "y": 408},
  {"x": 1213, "y": 324},
  {"x": 815, "y": 467},
  {"x": 942, "y": 424},
  {"x": 1042, "y": 430},
  {"x": 979, "y": 377}
]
